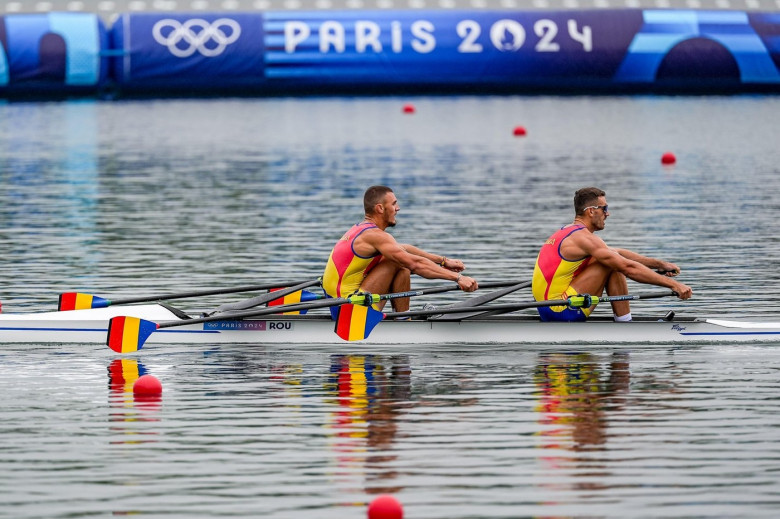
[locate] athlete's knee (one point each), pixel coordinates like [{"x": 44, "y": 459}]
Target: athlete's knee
[
  {"x": 617, "y": 279},
  {"x": 403, "y": 273}
]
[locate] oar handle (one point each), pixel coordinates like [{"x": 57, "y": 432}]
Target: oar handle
[
  {"x": 586, "y": 300},
  {"x": 631, "y": 297}
]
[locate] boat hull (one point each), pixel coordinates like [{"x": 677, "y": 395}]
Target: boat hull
[{"x": 90, "y": 327}]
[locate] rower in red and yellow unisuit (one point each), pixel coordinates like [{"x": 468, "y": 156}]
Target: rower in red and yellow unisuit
[
  {"x": 553, "y": 275},
  {"x": 346, "y": 269}
]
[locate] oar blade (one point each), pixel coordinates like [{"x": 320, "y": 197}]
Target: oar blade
[
  {"x": 301, "y": 296},
  {"x": 128, "y": 334},
  {"x": 79, "y": 301},
  {"x": 355, "y": 322}
]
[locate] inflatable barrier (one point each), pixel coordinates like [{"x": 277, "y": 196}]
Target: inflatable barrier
[
  {"x": 316, "y": 52},
  {"x": 52, "y": 54}
]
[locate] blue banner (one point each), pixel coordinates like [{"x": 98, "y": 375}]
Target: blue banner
[
  {"x": 364, "y": 51},
  {"x": 357, "y": 51}
]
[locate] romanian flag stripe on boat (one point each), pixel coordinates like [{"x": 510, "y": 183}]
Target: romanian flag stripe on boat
[
  {"x": 355, "y": 322},
  {"x": 79, "y": 301},
  {"x": 128, "y": 334},
  {"x": 301, "y": 296}
]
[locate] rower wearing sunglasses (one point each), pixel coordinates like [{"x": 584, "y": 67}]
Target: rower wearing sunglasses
[{"x": 576, "y": 261}]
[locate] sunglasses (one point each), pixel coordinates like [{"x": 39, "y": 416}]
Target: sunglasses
[{"x": 604, "y": 208}]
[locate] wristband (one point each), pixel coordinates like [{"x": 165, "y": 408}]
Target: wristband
[
  {"x": 443, "y": 261},
  {"x": 457, "y": 280}
]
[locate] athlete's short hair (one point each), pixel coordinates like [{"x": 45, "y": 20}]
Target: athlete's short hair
[
  {"x": 585, "y": 197},
  {"x": 374, "y": 195}
]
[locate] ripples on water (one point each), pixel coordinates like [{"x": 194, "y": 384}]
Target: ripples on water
[
  {"x": 280, "y": 434},
  {"x": 130, "y": 198}
]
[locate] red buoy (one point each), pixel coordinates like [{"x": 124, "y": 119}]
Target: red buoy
[
  {"x": 668, "y": 158},
  {"x": 147, "y": 385},
  {"x": 519, "y": 131},
  {"x": 385, "y": 507},
  {"x": 409, "y": 108}
]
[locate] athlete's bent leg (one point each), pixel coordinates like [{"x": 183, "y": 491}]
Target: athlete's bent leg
[
  {"x": 387, "y": 277},
  {"x": 618, "y": 286},
  {"x": 596, "y": 277},
  {"x": 402, "y": 282}
]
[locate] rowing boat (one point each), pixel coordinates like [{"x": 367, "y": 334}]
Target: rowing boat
[{"x": 90, "y": 327}]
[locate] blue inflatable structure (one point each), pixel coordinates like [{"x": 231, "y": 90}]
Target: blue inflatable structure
[
  {"x": 52, "y": 54},
  {"x": 385, "y": 51}
]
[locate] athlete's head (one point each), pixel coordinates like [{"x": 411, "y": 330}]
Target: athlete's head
[
  {"x": 585, "y": 198},
  {"x": 376, "y": 201},
  {"x": 375, "y": 195}
]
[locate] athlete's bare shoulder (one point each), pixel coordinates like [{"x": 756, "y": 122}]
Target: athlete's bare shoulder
[
  {"x": 373, "y": 240},
  {"x": 582, "y": 242}
]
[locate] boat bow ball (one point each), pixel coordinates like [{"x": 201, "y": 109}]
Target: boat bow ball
[{"x": 376, "y": 51}]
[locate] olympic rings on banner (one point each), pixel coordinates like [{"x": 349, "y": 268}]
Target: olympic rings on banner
[{"x": 196, "y": 33}]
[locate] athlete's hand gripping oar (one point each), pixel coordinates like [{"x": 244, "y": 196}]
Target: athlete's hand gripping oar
[
  {"x": 128, "y": 334},
  {"x": 80, "y": 301}
]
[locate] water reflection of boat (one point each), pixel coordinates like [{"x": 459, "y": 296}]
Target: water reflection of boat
[
  {"x": 369, "y": 394},
  {"x": 126, "y": 409},
  {"x": 576, "y": 393}
]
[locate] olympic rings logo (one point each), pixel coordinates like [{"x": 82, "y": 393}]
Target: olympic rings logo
[{"x": 196, "y": 34}]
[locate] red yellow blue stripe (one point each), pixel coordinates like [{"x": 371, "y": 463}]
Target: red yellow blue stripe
[
  {"x": 128, "y": 334},
  {"x": 300, "y": 296},
  {"x": 355, "y": 322},
  {"x": 79, "y": 301}
]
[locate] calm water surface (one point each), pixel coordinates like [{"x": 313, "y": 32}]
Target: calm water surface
[{"x": 132, "y": 198}]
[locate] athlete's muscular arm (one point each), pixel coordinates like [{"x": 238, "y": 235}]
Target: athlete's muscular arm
[
  {"x": 592, "y": 245},
  {"x": 386, "y": 245},
  {"x": 667, "y": 268},
  {"x": 452, "y": 264}
]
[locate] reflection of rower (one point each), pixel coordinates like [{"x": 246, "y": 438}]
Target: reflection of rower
[
  {"x": 353, "y": 374},
  {"x": 368, "y": 395},
  {"x": 573, "y": 396}
]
